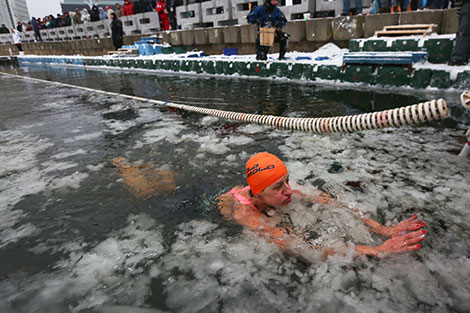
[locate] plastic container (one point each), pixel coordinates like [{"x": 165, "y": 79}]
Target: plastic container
[{"x": 230, "y": 51}]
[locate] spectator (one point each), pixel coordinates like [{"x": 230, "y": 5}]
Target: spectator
[
  {"x": 461, "y": 51},
  {"x": 94, "y": 15},
  {"x": 77, "y": 18},
  {"x": 49, "y": 23},
  {"x": 119, "y": 11},
  {"x": 162, "y": 15},
  {"x": 109, "y": 11},
  {"x": 435, "y": 4},
  {"x": 128, "y": 8},
  {"x": 19, "y": 27},
  {"x": 102, "y": 14},
  {"x": 37, "y": 34},
  {"x": 117, "y": 32},
  {"x": 269, "y": 15},
  {"x": 17, "y": 40},
  {"x": 346, "y": 7},
  {"x": 60, "y": 21},
  {"x": 148, "y": 6},
  {"x": 4, "y": 29},
  {"x": 85, "y": 18},
  {"x": 67, "y": 19},
  {"x": 172, "y": 14},
  {"x": 400, "y": 6},
  {"x": 30, "y": 28},
  {"x": 25, "y": 27}
]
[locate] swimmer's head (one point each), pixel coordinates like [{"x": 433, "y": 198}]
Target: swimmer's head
[{"x": 263, "y": 170}]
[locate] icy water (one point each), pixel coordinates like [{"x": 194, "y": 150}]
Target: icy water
[{"x": 75, "y": 238}]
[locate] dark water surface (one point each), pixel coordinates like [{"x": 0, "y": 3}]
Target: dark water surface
[{"x": 74, "y": 238}]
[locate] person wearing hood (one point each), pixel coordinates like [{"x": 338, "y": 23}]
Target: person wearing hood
[
  {"x": 109, "y": 11},
  {"x": 17, "y": 40},
  {"x": 117, "y": 33},
  {"x": 162, "y": 15},
  {"x": 461, "y": 51},
  {"x": 102, "y": 14},
  {"x": 128, "y": 8},
  {"x": 77, "y": 18},
  {"x": 119, "y": 11},
  {"x": 269, "y": 15},
  {"x": 94, "y": 15},
  {"x": 172, "y": 4},
  {"x": 4, "y": 29},
  {"x": 67, "y": 19},
  {"x": 85, "y": 16}
]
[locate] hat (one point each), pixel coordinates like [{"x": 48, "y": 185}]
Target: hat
[{"x": 263, "y": 170}]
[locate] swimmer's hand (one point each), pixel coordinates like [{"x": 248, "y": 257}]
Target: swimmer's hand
[
  {"x": 403, "y": 243},
  {"x": 411, "y": 224}
]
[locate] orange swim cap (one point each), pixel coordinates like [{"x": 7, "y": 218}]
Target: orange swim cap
[{"x": 263, "y": 170}]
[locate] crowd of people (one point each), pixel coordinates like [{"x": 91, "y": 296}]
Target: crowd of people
[{"x": 166, "y": 12}]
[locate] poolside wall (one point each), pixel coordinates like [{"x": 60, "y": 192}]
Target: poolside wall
[{"x": 305, "y": 35}]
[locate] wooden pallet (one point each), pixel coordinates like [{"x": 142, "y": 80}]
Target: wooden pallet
[{"x": 406, "y": 30}]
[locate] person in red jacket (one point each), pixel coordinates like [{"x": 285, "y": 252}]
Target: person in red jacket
[
  {"x": 128, "y": 8},
  {"x": 163, "y": 15}
]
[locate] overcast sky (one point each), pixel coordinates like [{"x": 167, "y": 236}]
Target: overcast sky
[{"x": 41, "y": 8}]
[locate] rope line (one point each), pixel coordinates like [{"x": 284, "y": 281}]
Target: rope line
[{"x": 408, "y": 115}]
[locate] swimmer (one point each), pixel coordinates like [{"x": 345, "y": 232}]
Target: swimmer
[
  {"x": 268, "y": 188},
  {"x": 144, "y": 181}
]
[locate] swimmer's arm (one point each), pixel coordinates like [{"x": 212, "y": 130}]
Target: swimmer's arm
[
  {"x": 390, "y": 231},
  {"x": 398, "y": 244},
  {"x": 261, "y": 224}
]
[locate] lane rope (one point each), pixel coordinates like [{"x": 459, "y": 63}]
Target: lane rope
[{"x": 408, "y": 115}]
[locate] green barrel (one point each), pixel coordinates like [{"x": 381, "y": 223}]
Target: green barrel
[
  {"x": 375, "y": 45},
  {"x": 392, "y": 76},
  {"x": 405, "y": 45},
  {"x": 439, "y": 50},
  {"x": 354, "y": 45},
  {"x": 440, "y": 79},
  {"x": 421, "y": 78},
  {"x": 359, "y": 74}
]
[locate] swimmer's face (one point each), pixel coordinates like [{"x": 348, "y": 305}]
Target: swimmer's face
[{"x": 278, "y": 194}]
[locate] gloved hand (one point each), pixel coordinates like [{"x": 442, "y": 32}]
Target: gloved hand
[{"x": 259, "y": 22}]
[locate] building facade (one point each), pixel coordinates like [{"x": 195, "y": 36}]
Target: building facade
[
  {"x": 13, "y": 11},
  {"x": 71, "y": 5}
]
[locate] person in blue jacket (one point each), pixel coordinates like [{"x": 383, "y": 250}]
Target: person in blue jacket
[{"x": 269, "y": 15}]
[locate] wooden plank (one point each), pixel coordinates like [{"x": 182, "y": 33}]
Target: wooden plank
[
  {"x": 410, "y": 26},
  {"x": 397, "y": 33}
]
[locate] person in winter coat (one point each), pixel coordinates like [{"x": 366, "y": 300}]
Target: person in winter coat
[
  {"x": 85, "y": 16},
  {"x": 19, "y": 27},
  {"x": 172, "y": 13},
  {"x": 67, "y": 19},
  {"x": 162, "y": 15},
  {"x": 119, "y": 11},
  {"x": 4, "y": 29},
  {"x": 128, "y": 8},
  {"x": 269, "y": 15},
  {"x": 94, "y": 14},
  {"x": 117, "y": 32},
  {"x": 102, "y": 14},
  {"x": 17, "y": 40},
  {"x": 109, "y": 11},
  {"x": 461, "y": 51},
  {"x": 35, "y": 26},
  {"x": 77, "y": 18}
]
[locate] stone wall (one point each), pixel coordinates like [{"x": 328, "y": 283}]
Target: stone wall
[{"x": 305, "y": 35}]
